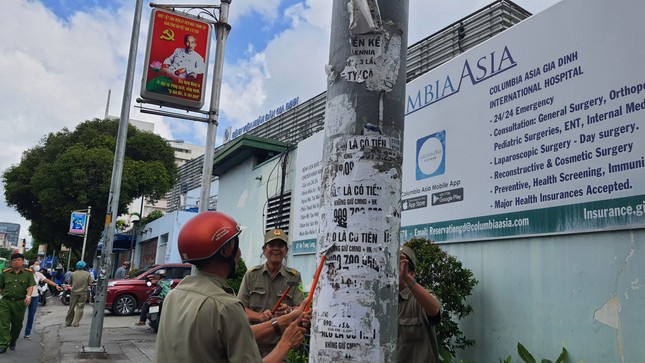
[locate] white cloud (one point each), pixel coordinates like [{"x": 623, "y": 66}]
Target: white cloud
[
  {"x": 268, "y": 9},
  {"x": 294, "y": 14},
  {"x": 318, "y": 14},
  {"x": 292, "y": 65},
  {"x": 55, "y": 74},
  {"x": 244, "y": 87}
]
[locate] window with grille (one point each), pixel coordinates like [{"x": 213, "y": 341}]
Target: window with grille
[{"x": 278, "y": 211}]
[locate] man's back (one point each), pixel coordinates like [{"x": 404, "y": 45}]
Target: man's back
[
  {"x": 203, "y": 322},
  {"x": 80, "y": 280}
]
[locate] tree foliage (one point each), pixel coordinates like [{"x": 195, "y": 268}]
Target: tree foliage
[
  {"x": 452, "y": 283},
  {"x": 6, "y": 253},
  {"x": 71, "y": 170},
  {"x": 236, "y": 282},
  {"x": 121, "y": 225},
  {"x": 155, "y": 214}
]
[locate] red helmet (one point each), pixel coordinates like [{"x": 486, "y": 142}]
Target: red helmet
[{"x": 203, "y": 235}]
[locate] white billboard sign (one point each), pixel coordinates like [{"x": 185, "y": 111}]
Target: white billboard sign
[
  {"x": 536, "y": 131},
  {"x": 306, "y": 195}
]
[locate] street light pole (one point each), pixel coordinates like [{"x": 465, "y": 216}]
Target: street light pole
[
  {"x": 222, "y": 29},
  {"x": 96, "y": 330},
  {"x": 87, "y": 227},
  {"x": 133, "y": 242}
]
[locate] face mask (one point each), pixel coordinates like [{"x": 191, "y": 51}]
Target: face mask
[{"x": 36, "y": 268}]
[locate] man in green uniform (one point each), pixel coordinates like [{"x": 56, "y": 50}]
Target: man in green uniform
[
  {"x": 263, "y": 285},
  {"x": 419, "y": 312},
  {"x": 202, "y": 320},
  {"x": 16, "y": 285}
]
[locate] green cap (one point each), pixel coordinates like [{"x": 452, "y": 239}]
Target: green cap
[
  {"x": 275, "y": 234},
  {"x": 411, "y": 256}
]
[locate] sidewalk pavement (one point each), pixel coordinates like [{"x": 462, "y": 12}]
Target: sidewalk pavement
[{"x": 122, "y": 339}]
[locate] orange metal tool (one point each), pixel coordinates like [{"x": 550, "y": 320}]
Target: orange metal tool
[{"x": 315, "y": 282}]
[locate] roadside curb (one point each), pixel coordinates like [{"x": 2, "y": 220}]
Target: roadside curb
[{"x": 122, "y": 340}]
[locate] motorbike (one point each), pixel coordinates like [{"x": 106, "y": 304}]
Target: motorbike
[
  {"x": 42, "y": 293},
  {"x": 65, "y": 294},
  {"x": 154, "y": 309}
]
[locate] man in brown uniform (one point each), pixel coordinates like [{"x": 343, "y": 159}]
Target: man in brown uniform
[
  {"x": 202, "y": 320},
  {"x": 263, "y": 285},
  {"x": 80, "y": 280},
  {"x": 16, "y": 285},
  {"x": 419, "y": 312}
]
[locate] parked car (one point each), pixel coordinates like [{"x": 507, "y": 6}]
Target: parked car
[{"x": 127, "y": 295}]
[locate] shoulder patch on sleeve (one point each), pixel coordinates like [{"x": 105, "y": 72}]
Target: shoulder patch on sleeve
[
  {"x": 7, "y": 269},
  {"x": 293, "y": 271}
]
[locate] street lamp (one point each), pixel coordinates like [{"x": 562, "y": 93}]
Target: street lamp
[{"x": 134, "y": 219}]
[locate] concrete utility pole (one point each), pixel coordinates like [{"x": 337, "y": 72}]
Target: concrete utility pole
[
  {"x": 355, "y": 312},
  {"x": 96, "y": 329}
]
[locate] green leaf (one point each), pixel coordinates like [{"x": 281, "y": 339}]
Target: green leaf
[
  {"x": 524, "y": 354},
  {"x": 160, "y": 84},
  {"x": 564, "y": 356},
  {"x": 444, "y": 355}
]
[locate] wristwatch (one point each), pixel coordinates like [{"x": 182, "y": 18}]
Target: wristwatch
[{"x": 276, "y": 326}]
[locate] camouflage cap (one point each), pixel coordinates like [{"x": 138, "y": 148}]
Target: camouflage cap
[{"x": 275, "y": 234}]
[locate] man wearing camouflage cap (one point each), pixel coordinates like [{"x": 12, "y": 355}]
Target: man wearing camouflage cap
[
  {"x": 263, "y": 285},
  {"x": 419, "y": 312}
]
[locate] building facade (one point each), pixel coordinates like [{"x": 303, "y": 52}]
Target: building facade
[{"x": 9, "y": 234}]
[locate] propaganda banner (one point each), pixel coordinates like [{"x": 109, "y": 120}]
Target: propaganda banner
[{"x": 175, "y": 67}]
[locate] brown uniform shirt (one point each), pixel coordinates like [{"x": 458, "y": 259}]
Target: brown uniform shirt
[
  {"x": 203, "y": 321},
  {"x": 259, "y": 292},
  {"x": 80, "y": 281},
  {"x": 417, "y": 340}
]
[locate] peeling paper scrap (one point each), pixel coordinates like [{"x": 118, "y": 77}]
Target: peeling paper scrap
[{"x": 364, "y": 16}]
